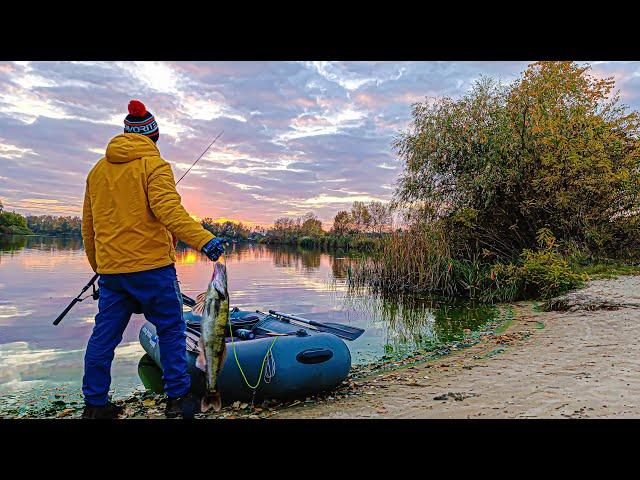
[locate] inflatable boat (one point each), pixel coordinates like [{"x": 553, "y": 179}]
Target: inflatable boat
[{"x": 269, "y": 356}]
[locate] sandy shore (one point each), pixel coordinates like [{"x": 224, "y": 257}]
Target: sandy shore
[{"x": 580, "y": 362}]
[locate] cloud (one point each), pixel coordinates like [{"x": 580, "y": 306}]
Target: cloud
[
  {"x": 10, "y": 152},
  {"x": 156, "y": 76},
  {"x": 324, "y": 199},
  {"x": 345, "y": 78}
]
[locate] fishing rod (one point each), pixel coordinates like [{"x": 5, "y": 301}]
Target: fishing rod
[
  {"x": 201, "y": 155},
  {"x": 187, "y": 300},
  {"x": 79, "y": 298}
]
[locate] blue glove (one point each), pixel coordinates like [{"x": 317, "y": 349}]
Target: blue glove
[{"x": 214, "y": 248}]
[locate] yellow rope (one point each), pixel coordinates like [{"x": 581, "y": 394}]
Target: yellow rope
[{"x": 264, "y": 360}]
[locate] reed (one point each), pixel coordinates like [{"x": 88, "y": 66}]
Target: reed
[
  {"x": 420, "y": 260},
  {"x": 417, "y": 260}
]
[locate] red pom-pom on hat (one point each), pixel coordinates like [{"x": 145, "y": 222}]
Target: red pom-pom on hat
[{"x": 137, "y": 108}]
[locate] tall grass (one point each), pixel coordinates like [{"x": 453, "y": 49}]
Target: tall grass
[{"x": 420, "y": 261}]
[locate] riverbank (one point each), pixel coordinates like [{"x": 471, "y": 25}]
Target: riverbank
[
  {"x": 359, "y": 242},
  {"x": 580, "y": 362},
  {"x": 577, "y": 361}
]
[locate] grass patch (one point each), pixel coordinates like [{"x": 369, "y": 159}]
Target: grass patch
[
  {"x": 600, "y": 270},
  {"x": 505, "y": 319}
]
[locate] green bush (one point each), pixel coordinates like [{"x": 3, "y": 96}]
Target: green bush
[
  {"x": 538, "y": 274},
  {"x": 363, "y": 244},
  {"x": 13, "y": 223},
  {"x": 307, "y": 242}
]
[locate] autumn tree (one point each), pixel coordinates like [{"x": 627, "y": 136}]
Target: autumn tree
[
  {"x": 341, "y": 223},
  {"x": 555, "y": 149},
  {"x": 381, "y": 217},
  {"x": 360, "y": 216},
  {"x": 284, "y": 228},
  {"x": 311, "y": 226}
]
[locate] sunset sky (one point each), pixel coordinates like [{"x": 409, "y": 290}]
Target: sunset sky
[{"x": 298, "y": 136}]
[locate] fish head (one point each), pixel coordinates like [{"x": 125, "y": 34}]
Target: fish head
[{"x": 217, "y": 291}]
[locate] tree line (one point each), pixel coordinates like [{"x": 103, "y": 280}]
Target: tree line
[
  {"x": 373, "y": 217},
  {"x": 363, "y": 219},
  {"x": 357, "y": 228},
  {"x": 17, "y": 224},
  {"x": 54, "y": 225},
  {"x": 232, "y": 230}
]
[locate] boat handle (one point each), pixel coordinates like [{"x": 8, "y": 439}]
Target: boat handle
[{"x": 314, "y": 355}]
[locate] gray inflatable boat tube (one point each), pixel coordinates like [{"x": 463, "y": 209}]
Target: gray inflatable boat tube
[{"x": 301, "y": 363}]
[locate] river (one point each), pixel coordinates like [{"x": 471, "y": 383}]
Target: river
[{"x": 40, "y": 275}]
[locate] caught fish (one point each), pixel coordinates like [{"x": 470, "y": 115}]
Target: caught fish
[{"x": 213, "y": 326}]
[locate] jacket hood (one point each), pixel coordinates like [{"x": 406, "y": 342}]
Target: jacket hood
[{"x": 130, "y": 146}]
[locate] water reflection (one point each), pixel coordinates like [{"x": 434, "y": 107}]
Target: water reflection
[
  {"x": 409, "y": 322},
  {"x": 39, "y": 275},
  {"x": 295, "y": 257},
  {"x": 12, "y": 243}
]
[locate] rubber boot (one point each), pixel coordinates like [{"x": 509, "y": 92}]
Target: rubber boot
[
  {"x": 185, "y": 407},
  {"x": 109, "y": 411}
]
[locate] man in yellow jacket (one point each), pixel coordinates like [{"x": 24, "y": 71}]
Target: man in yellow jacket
[{"x": 131, "y": 214}]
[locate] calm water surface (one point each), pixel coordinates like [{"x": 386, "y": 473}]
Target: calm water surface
[{"x": 40, "y": 275}]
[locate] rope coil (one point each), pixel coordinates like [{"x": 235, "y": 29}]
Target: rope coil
[{"x": 271, "y": 369}]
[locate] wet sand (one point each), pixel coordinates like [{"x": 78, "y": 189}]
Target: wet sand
[{"x": 582, "y": 362}]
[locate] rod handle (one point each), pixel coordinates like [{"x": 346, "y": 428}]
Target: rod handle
[{"x": 65, "y": 311}]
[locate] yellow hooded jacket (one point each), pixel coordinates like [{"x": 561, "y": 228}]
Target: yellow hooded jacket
[{"x": 131, "y": 208}]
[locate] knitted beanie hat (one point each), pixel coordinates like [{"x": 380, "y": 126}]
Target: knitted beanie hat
[{"x": 141, "y": 121}]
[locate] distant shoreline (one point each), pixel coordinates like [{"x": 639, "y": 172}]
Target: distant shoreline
[{"x": 77, "y": 235}]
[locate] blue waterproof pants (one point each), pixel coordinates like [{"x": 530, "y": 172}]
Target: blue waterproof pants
[{"x": 156, "y": 294}]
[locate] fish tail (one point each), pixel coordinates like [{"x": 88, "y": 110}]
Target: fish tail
[{"x": 211, "y": 400}]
